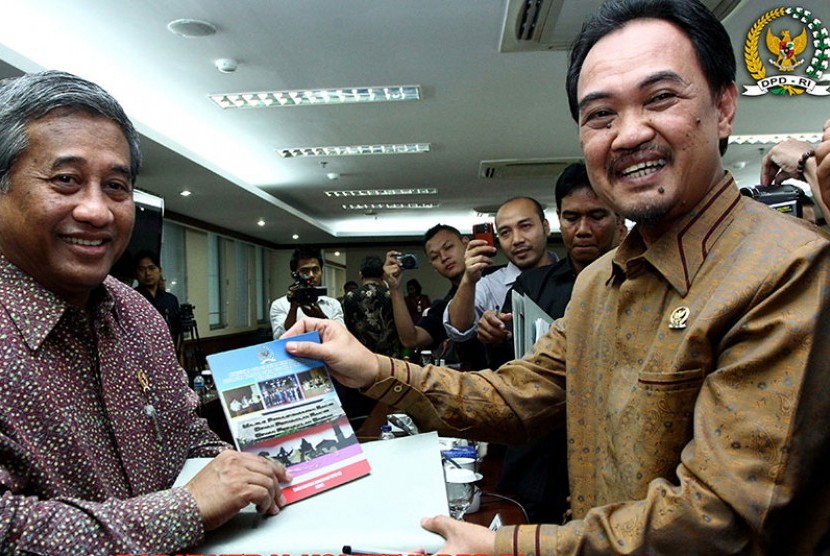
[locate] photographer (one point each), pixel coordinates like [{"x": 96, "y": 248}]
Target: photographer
[
  {"x": 303, "y": 299},
  {"x": 444, "y": 248}
]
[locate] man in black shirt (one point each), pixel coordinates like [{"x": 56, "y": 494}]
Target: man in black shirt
[
  {"x": 148, "y": 274},
  {"x": 537, "y": 473},
  {"x": 444, "y": 247}
]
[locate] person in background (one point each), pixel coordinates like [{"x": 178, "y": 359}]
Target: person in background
[
  {"x": 415, "y": 299},
  {"x": 148, "y": 273},
  {"x": 368, "y": 315},
  {"x": 97, "y": 417},
  {"x": 444, "y": 248},
  {"x": 349, "y": 286},
  {"x": 691, "y": 364},
  {"x": 522, "y": 231},
  {"x": 368, "y": 310},
  {"x": 301, "y": 300},
  {"x": 538, "y": 472}
]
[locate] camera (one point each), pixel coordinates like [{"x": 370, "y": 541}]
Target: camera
[
  {"x": 408, "y": 261},
  {"x": 784, "y": 198},
  {"x": 305, "y": 293}
]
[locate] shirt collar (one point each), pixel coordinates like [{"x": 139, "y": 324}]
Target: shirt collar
[
  {"x": 35, "y": 310},
  {"x": 511, "y": 271},
  {"x": 680, "y": 252}
]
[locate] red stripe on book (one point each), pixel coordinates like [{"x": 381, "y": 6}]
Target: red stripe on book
[{"x": 335, "y": 477}]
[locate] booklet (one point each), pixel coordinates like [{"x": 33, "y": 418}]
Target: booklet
[{"x": 286, "y": 408}]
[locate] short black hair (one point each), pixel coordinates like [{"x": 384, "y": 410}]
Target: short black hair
[
  {"x": 371, "y": 267},
  {"x": 437, "y": 228},
  {"x": 709, "y": 38},
  {"x": 306, "y": 252},
  {"x": 146, "y": 254},
  {"x": 573, "y": 178},
  {"x": 350, "y": 283}
]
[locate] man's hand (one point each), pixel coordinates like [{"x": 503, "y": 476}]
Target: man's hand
[
  {"x": 392, "y": 270},
  {"x": 348, "y": 360},
  {"x": 781, "y": 162},
  {"x": 823, "y": 165},
  {"x": 290, "y": 294},
  {"x": 313, "y": 310},
  {"x": 476, "y": 259},
  {"x": 231, "y": 481},
  {"x": 462, "y": 538},
  {"x": 491, "y": 327}
]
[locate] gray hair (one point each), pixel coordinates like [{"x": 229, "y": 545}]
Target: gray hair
[{"x": 32, "y": 96}]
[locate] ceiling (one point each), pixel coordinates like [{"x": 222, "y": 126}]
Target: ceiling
[{"x": 477, "y": 103}]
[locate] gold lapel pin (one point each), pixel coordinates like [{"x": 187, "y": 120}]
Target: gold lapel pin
[{"x": 678, "y": 318}]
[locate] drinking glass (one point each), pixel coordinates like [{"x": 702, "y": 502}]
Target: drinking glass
[{"x": 459, "y": 496}]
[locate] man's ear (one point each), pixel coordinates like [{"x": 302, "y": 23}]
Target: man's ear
[
  {"x": 727, "y": 104},
  {"x": 465, "y": 240},
  {"x": 546, "y": 225}
]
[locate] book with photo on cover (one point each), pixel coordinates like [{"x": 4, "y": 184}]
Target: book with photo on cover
[{"x": 286, "y": 408}]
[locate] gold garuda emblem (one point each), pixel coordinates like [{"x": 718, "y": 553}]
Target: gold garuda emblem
[{"x": 790, "y": 54}]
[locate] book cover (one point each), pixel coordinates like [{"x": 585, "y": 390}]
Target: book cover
[{"x": 286, "y": 408}]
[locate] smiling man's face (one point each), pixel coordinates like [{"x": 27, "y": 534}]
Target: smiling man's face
[
  {"x": 68, "y": 212},
  {"x": 648, "y": 124}
]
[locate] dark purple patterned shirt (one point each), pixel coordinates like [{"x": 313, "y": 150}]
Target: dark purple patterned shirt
[{"x": 84, "y": 468}]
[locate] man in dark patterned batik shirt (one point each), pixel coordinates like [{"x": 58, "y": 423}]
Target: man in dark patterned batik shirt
[{"x": 96, "y": 417}]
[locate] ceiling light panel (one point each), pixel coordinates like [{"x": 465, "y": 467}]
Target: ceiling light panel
[
  {"x": 309, "y": 97},
  {"x": 381, "y": 192},
  {"x": 773, "y": 138},
  {"x": 390, "y": 206},
  {"x": 355, "y": 150}
]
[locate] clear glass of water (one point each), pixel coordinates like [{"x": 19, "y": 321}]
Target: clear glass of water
[
  {"x": 459, "y": 496},
  {"x": 460, "y": 485}
]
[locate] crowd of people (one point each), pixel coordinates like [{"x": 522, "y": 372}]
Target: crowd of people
[{"x": 678, "y": 403}]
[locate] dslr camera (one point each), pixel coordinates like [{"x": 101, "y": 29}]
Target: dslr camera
[
  {"x": 305, "y": 293},
  {"x": 408, "y": 261},
  {"x": 784, "y": 198}
]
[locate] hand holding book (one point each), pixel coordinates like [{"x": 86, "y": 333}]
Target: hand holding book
[{"x": 349, "y": 361}]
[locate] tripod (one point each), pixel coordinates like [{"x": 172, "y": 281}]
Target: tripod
[{"x": 189, "y": 345}]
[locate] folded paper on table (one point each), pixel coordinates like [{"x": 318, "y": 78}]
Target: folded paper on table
[{"x": 383, "y": 508}]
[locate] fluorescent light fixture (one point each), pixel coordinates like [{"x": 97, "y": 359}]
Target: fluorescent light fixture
[
  {"x": 382, "y": 192},
  {"x": 773, "y": 138},
  {"x": 345, "y": 95},
  {"x": 390, "y": 206},
  {"x": 355, "y": 150}
]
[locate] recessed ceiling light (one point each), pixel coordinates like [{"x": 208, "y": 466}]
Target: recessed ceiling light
[
  {"x": 191, "y": 28},
  {"x": 295, "y": 236},
  {"x": 185, "y": 193},
  {"x": 355, "y": 150},
  {"x": 773, "y": 138},
  {"x": 260, "y": 222},
  {"x": 382, "y": 192},
  {"x": 308, "y": 97},
  {"x": 390, "y": 206}
]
